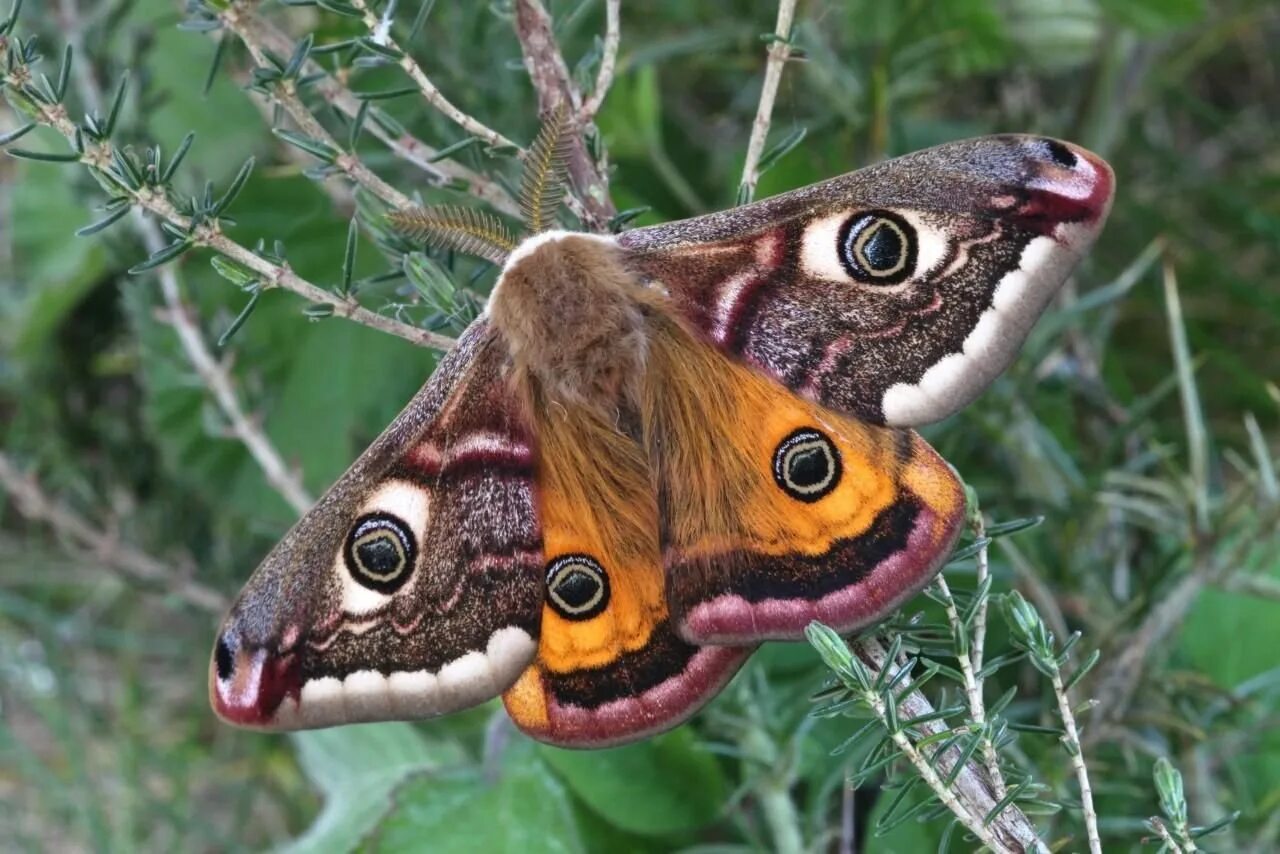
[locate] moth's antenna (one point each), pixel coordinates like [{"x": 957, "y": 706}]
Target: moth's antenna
[
  {"x": 542, "y": 182},
  {"x": 463, "y": 229}
]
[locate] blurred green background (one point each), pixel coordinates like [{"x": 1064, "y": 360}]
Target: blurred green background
[{"x": 106, "y": 739}]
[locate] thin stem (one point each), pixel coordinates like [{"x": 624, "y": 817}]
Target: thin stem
[
  {"x": 779, "y": 51},
  {"x": 978, "y": 526},
  {"x": 34, "y": 504},
  {"x": 218, "y": 381},
  {"x": 285, "y": 93},
  {"x": 1162, "y": 830},
  {"x": 944, "y": 792},
  {"x": 780, "y": 814},
  {"x": 1077, "y": 761},
  {"x": 1012, "y": 828},
  {"x": 554, "y": 86},
  {"x": 433, "y": 95},
  {"x": 209, "y": 234},
  {"x": 608, "y": 61},
  {"x": 973, "y": 689},
  {"x": 214, "y": 376},
  {"x": 260, "y": 34},
  {"x": 776, "y": 775}
]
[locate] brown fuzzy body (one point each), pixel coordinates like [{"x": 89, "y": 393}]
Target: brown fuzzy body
[{"x": 576, "y": 322}]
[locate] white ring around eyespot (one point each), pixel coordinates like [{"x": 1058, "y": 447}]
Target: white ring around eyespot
[
  {"x": 820, "y": 250},
  {"x": 404, "y": 500}
]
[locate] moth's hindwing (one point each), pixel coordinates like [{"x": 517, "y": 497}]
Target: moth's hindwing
[
  {"x": 777, "y": 511},
  {"x": 895, "y": 293},
  {"x": 610, "y": 666},
  {"x": 414, "y": 587}
]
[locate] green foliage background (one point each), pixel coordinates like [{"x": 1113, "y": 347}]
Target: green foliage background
[{"x": 106, "y": 740}]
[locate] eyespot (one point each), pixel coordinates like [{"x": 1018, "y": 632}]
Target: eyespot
[
  {"x": 807, "y": 465},
  {"x": 380, "y": 552},
  {"x": 878, "y": 248},
  {"x": 577, "y": 587},
  {"x": 1060, "y": 154}
]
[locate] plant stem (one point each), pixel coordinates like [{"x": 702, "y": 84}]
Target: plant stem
[
  {"x": 1011, "y": 827},
  {"x": 608, "y": 61},
  {"x": 549, "y": 74},
  {"x": 430, "y": 92},
  {"x": 261, "y": 35},
  {"x": 285, "y": 93},
  {"x": 972, "y": 822},
  {"x": 34, "y": 504},
  {"x": 779, "y": 51},
  {"x": 972, "y": 687},
  {"x": 1077, "y": 761}
]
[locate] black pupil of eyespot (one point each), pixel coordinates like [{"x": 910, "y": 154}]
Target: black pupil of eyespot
[
  {"x": 1061, "y": 155},
  {"x": 379, "y": 554},
  {"x": 223, "y": 659},
  {"x": 883, "y": 248},
  {"x": 808, "y": 467},
  {"x": 577, "y": 588}
]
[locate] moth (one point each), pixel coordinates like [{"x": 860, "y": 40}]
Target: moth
[{"x": 655, "y": 450}]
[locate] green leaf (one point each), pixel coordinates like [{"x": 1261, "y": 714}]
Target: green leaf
[
  {"x": 901, "y": 836},
  {"x": 357, "y": 769},
  {"x": 43, "y": 156},
  {"x": 656, "y": 787},
  {"x": 524, "y": 809}
]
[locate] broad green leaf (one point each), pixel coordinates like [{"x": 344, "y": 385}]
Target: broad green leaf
[
  {"x": 663, "y": 785},
  {"x": 520, "y": 807},
  {"x": 357, "y": 769}
]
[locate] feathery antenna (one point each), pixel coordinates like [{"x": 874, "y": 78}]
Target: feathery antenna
[
  {"x": 542, "y": 182},
  {"x": 463, "y": 229}
]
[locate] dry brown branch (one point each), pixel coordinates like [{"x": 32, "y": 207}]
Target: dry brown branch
[
  {"x": 608, "y": 62},
  {"x": 779, "y": 51},
  {"x": 554, "y": 86},
  {"x": 34, "y": 504}
]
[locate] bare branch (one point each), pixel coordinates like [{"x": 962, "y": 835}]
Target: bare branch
[
  {"x": 779, "y": 51},
  {"x": 1072, "y": 743},
  {"x": 608, "y": 62},
  {"x": 34, "y": 504},
  {"x": 215, "y": 377},
  {"x": 554, "y": 86}
]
